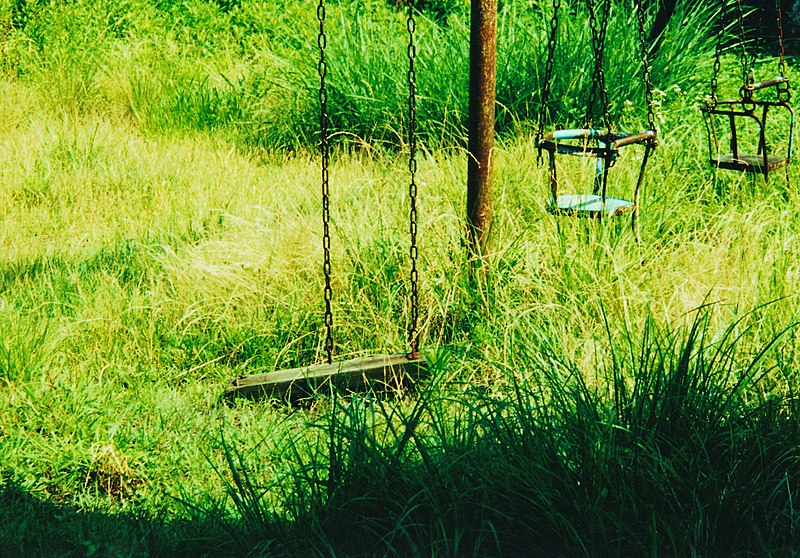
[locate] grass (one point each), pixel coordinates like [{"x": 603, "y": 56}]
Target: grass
[
  {"x": 554, "y": 466},
  {"x": 159, "y": 225}
]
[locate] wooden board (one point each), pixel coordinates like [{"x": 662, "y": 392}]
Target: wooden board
[
  {"x": 748, "y": 162},
  {"x": 590, "y": 205},
  {"x": 382, "y": 372}
]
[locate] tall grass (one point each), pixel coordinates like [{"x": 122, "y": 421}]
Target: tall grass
[
  {"x": 674, "y": 450},
  {"x": 249, "y": 69}
]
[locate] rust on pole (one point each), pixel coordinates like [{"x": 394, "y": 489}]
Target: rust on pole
[{"x": 482, "y": 84}]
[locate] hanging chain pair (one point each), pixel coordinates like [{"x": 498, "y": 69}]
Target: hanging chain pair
[
  {"x": 748, "y": 65},
  {"x": 548, "y": 76},
  {"x": 324, "y": 147},
  {"x": 322, "y": 68},
  {"x": 598, "y": 30},
  {"x": 413, "y": 334}
]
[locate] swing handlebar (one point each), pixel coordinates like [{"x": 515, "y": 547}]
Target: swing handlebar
[
  {"x": 750, "y": 87},
  {"x": 608, "y": 141}
]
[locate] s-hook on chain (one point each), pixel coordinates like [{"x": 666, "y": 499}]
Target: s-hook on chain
[
  {"x": 324, "y": 147},
  {"x": 413, "y": 334}
]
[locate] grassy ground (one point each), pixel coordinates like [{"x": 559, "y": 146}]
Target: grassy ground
[{"x": 158, "y": 239}]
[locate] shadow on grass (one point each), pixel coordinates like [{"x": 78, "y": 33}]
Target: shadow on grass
[
  {"x": 31, "y": 526},
  {"x": 680, "y": 451}
]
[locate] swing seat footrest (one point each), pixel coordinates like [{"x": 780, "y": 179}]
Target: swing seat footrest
[
  {"x": 748, "y": 162},
  {"x": 590, "y": 205}
]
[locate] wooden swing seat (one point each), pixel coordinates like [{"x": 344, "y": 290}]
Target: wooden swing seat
[
  {"x": 748, "y": 162},
  {"x": 589, "y": 205},
  {"x": 382, "y": 372}
]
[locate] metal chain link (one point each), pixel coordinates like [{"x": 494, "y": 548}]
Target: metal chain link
[
  {"x": 593, "y": 91},
  {"x": 783, "y": 89},
  {"x": 411, "y": 24},
  {"x": 747, "y": 76},
  {"x": 757, "y": 43},
  {"x": 759, "y": 38},
  {"x": 324, "y": 147},
  {"x": 718, "y": 53},
  {"x": 598, "y": 76},
  {"x": 548, "y": 75},
  {"x": 648, "y": 85},
  {"x": 601, "y": 73}
]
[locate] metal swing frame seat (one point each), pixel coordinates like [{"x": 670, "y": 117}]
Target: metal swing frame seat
[
  {"x": 391, "y": 373},
  {"x": 604, "y": 146},
  {"x": 747, "y": 107},
  {"x": 724, "y": 119}
]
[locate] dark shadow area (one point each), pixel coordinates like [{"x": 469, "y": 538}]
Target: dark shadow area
[
  {"x": 34, "y": 527},
  {"x": 682, "y": 447},
  {"x": 760, "y": 21}
]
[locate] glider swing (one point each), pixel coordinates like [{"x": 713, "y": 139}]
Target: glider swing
[
  {"x": 381, "y": 371},
  {"x": 602, "y": 144},
  {"x": 721, "y": 116}
]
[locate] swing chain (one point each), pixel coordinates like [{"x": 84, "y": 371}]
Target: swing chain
[
  {"x": 757, "y": 42},
  {"x": 598, "y": 76},
  {"x": 324, "y": 148},
  {"x": 548, "y": 76},
  {"x": 718, "y": 55},
  {"x": 783, "y": 89},
  {"x": 413, "y": 334},
  {"x": 648, "y": 84},
  {"x": 747, "y": 67}
]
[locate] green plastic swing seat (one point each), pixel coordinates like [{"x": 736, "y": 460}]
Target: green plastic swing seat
[
  {"x": 604, "y": 146},
  {"x": 589, "y": 205}
]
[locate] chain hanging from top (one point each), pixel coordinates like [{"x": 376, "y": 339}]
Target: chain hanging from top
[
  {"x": 413, "y": 334},
  {"x": 648, "y": 84},
  {"x": 783, "y": 89},
  {"x": 548, "y": 74},
  {"x": 747, "y": 66},
  {"x": 324, "y": 147},
  {"x": 718, "y": 53},
  {"x": 598, "y": 30}
]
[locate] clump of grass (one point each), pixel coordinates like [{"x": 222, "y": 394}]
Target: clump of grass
[
  {"x": 680, "y": 451},
  {"x": 27, "y": 345}
]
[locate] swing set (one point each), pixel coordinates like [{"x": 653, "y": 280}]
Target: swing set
[
  {"x": 725, "y": 119},
  {"x": 602, "y": 144},
  {"x": 381, "y": 371}
]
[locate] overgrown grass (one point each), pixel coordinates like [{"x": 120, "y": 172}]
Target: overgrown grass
[
  {"x": 248, "y": 70},
  {"x": 669, "y": 452},
  {"x": 157, "y": 240}
]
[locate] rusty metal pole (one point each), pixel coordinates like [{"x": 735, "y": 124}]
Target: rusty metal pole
[{"x": 482, "y": 85}]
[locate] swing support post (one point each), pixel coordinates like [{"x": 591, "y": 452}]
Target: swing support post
[{"x": 482, "y": 85}]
